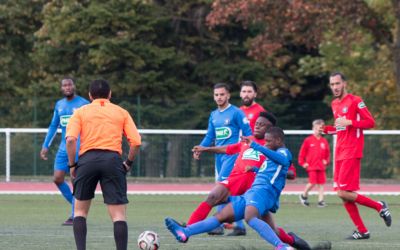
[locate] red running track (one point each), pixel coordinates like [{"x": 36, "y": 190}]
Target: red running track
[{"x": 168, "y": 188}]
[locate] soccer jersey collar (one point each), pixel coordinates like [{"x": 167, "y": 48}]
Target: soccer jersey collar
[
  {"x": 222, "y": 110},
  {"x": 101, "y": 101}
]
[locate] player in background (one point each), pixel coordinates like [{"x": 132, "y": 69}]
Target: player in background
[
  {"x": 63, "y": 110},
  {"x": 248, "y": 94},
  {"x": 351, "y": 118},
  {"x": 224, "y": 126},
  {"x": 255, "y": 204},
  {"x": 314, "y": 156}
]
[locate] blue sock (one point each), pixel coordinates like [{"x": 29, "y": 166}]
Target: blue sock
[
  {"x": 240, "y": 224},
  {"x": 265, "y": 231},
  {"x": 66, "y": 191},
  {"x": 202, "y": 226}
]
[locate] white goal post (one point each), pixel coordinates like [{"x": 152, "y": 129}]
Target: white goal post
[{"x": 9, "y": 131}]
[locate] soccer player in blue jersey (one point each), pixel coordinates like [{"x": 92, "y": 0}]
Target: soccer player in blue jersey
[
  {"x": 224, "y": 126},
  {"x": 255, "y": 205},
  {"x": 63, "y": 110}
]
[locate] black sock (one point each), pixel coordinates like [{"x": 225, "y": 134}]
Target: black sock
[
  {"x": 121, "y": 235},
  {"x": 80, "y": 232}
]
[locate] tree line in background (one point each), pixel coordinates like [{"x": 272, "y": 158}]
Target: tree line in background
[{"x": 162, "y": 57}]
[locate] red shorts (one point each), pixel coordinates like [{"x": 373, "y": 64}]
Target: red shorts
[
  {"x": 316, "y": 176},
  {"x": 239, "y": 184},
  {"x": 347, "y": 174}
]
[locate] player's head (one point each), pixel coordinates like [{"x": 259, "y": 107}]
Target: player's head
[
  {"x": 275, "y": 138},
  {"x": 263, "y": 123},
  {"x": 99, "y": 89},
  {"x": 318, "y": 126},
  {"x": 337, "y": 83},
  {"x": 248, "y": 92},
  {"x": 221, "y": 94},
  {"x": 68, "y": 87}
]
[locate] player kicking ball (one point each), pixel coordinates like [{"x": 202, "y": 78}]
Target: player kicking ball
[{"x": 254, "y": 206}]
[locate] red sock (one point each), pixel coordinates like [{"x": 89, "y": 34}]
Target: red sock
[
  {"x": 286, "y": 238},
  {"x": 352, "y": 210},
  {"x": 365, "y": 201},
  {"x": 200, "y": 213}
]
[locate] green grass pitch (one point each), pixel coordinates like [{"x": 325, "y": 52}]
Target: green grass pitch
[{"x": 34, "y": 222}]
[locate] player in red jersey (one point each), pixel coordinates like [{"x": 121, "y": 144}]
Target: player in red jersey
[
  {"x": 314, "y": 157},
  {"x": 351, "y": 118},
  {"x": 248, "y": 94}
]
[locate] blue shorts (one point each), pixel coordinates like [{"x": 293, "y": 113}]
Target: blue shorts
[
  {"x": 61, "y": 161},
  {"x": 265, "y": 199},
  {"x": 223, "y": 165}
]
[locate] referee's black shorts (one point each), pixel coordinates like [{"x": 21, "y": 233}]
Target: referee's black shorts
[{"x": 104, "y": 166}]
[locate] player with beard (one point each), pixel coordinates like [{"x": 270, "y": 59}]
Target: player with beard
[
  {"x": 248, "y": 94},
  {"x": 63, "y": 110},
  {"x": 351, "y": 118}
]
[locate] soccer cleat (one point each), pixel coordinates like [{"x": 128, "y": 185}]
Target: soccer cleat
[
  {"x": 284, "y": 247},
  {"x": 217, "y": 231},
  {"x": 299, "y": 243},
  {"x": 68, "y": 222},
  {"x": 321, "y": 204},
  {"x": 385, "y": 214},
  {"x": 178, "y": 231},
  {"x": 304, "y": 200},
  {"x": 358, "y": 236},
  {"x": 237, "y": 231}
]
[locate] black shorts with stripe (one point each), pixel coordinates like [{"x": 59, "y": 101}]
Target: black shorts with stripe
[{"x": 105, "y": 167}]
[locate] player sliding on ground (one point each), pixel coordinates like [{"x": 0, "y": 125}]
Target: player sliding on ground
[
  {"x": 241, "y": 178},
  {"x": 254, "y": 206}
]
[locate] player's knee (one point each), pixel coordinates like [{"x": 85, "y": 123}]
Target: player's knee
[
  {"x": 58, "y": 180},
  {"x": 342, "y": 195},
  {"x": 213, "y": 199}
]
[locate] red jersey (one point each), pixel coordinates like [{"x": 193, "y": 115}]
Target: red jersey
[
  {"x": 247, "y": 156},
  {"x": 350, "y": 139},
  {"x": 252, "y": 113},
  {"x": 313, "y": 151}
]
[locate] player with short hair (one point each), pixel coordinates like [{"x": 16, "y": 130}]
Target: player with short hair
[
  {"x": 224, "y": 126},
  {"x": 248, "y": 94},
  {"x": 63, "y": 110},
  {"x": 258, "y": 201},
  {"x": 314, "y": 156},
  {"x": 351, "y": 118}
]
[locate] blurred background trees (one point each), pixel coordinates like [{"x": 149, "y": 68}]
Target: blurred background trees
[{"x": 162, "y": 57}]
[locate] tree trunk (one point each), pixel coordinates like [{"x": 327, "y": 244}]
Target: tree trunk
[{"x": 396, "y": 45}]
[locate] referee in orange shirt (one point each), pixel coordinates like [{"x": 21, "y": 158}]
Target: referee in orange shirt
[{"x": 100, "y": 126}]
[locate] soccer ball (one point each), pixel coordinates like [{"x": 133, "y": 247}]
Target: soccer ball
[{"x": 148, "y": 240}]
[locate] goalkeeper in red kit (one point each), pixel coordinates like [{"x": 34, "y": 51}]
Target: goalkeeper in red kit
[{"x": 351, "y": 118}]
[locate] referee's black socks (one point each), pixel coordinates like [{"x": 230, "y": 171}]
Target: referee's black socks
[
  {"x": 80, "y": 231},
  {"x": 121, "y": 235}
]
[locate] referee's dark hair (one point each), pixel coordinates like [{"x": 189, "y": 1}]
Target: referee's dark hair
[
  {"x": 249, "y": 84},
  {"x": 222, "y": 85},
  {"x": 269, "y": 116},
  {"x": 99, "y": 89}
]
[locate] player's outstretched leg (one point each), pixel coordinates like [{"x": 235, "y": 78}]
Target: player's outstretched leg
[
  {"x": 299, "y": 243},
  {"x": 385, "y": 214}
]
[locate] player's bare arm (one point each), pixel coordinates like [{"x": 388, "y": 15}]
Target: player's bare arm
[
  {"x": 71, "y": 152},
  {"x": 217, "y": 150}
]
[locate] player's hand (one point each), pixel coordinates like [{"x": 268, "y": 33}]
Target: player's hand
[
  {"x": 127, "y": 164},
  {"x": 306, "y": 165},
  {"x": 342, "y": 122},
  {"x": 325, "y": 162},
  {"x": 290, "y": 175},
  {"x": 72, "y": 173},
  {"x": 245, "y": 139},
  {"x": 248, "y": 169},
  {"x": 196, "y": 155},
  {"x": 43, "y": 154}
]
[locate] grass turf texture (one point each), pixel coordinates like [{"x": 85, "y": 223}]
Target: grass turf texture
[{"x": 34, "y": 222}]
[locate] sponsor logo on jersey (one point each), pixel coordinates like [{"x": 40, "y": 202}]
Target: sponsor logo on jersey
[
  {"x": 251, "y": 116},
  {"x": 251, "y": 154},
  {"x": 245, "y": 120},
  {"x": 64, "y": 119},
  {"x": 322, "y": 145},
  {"x": 263, "y": 167},
  {"x": 223, "y": 133},
  {"x": 361, "y": 105},
  {"x": 345, "y": 109},
  {"x": 226, "y": 122},
  {"x": 311, "y": 145}
]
